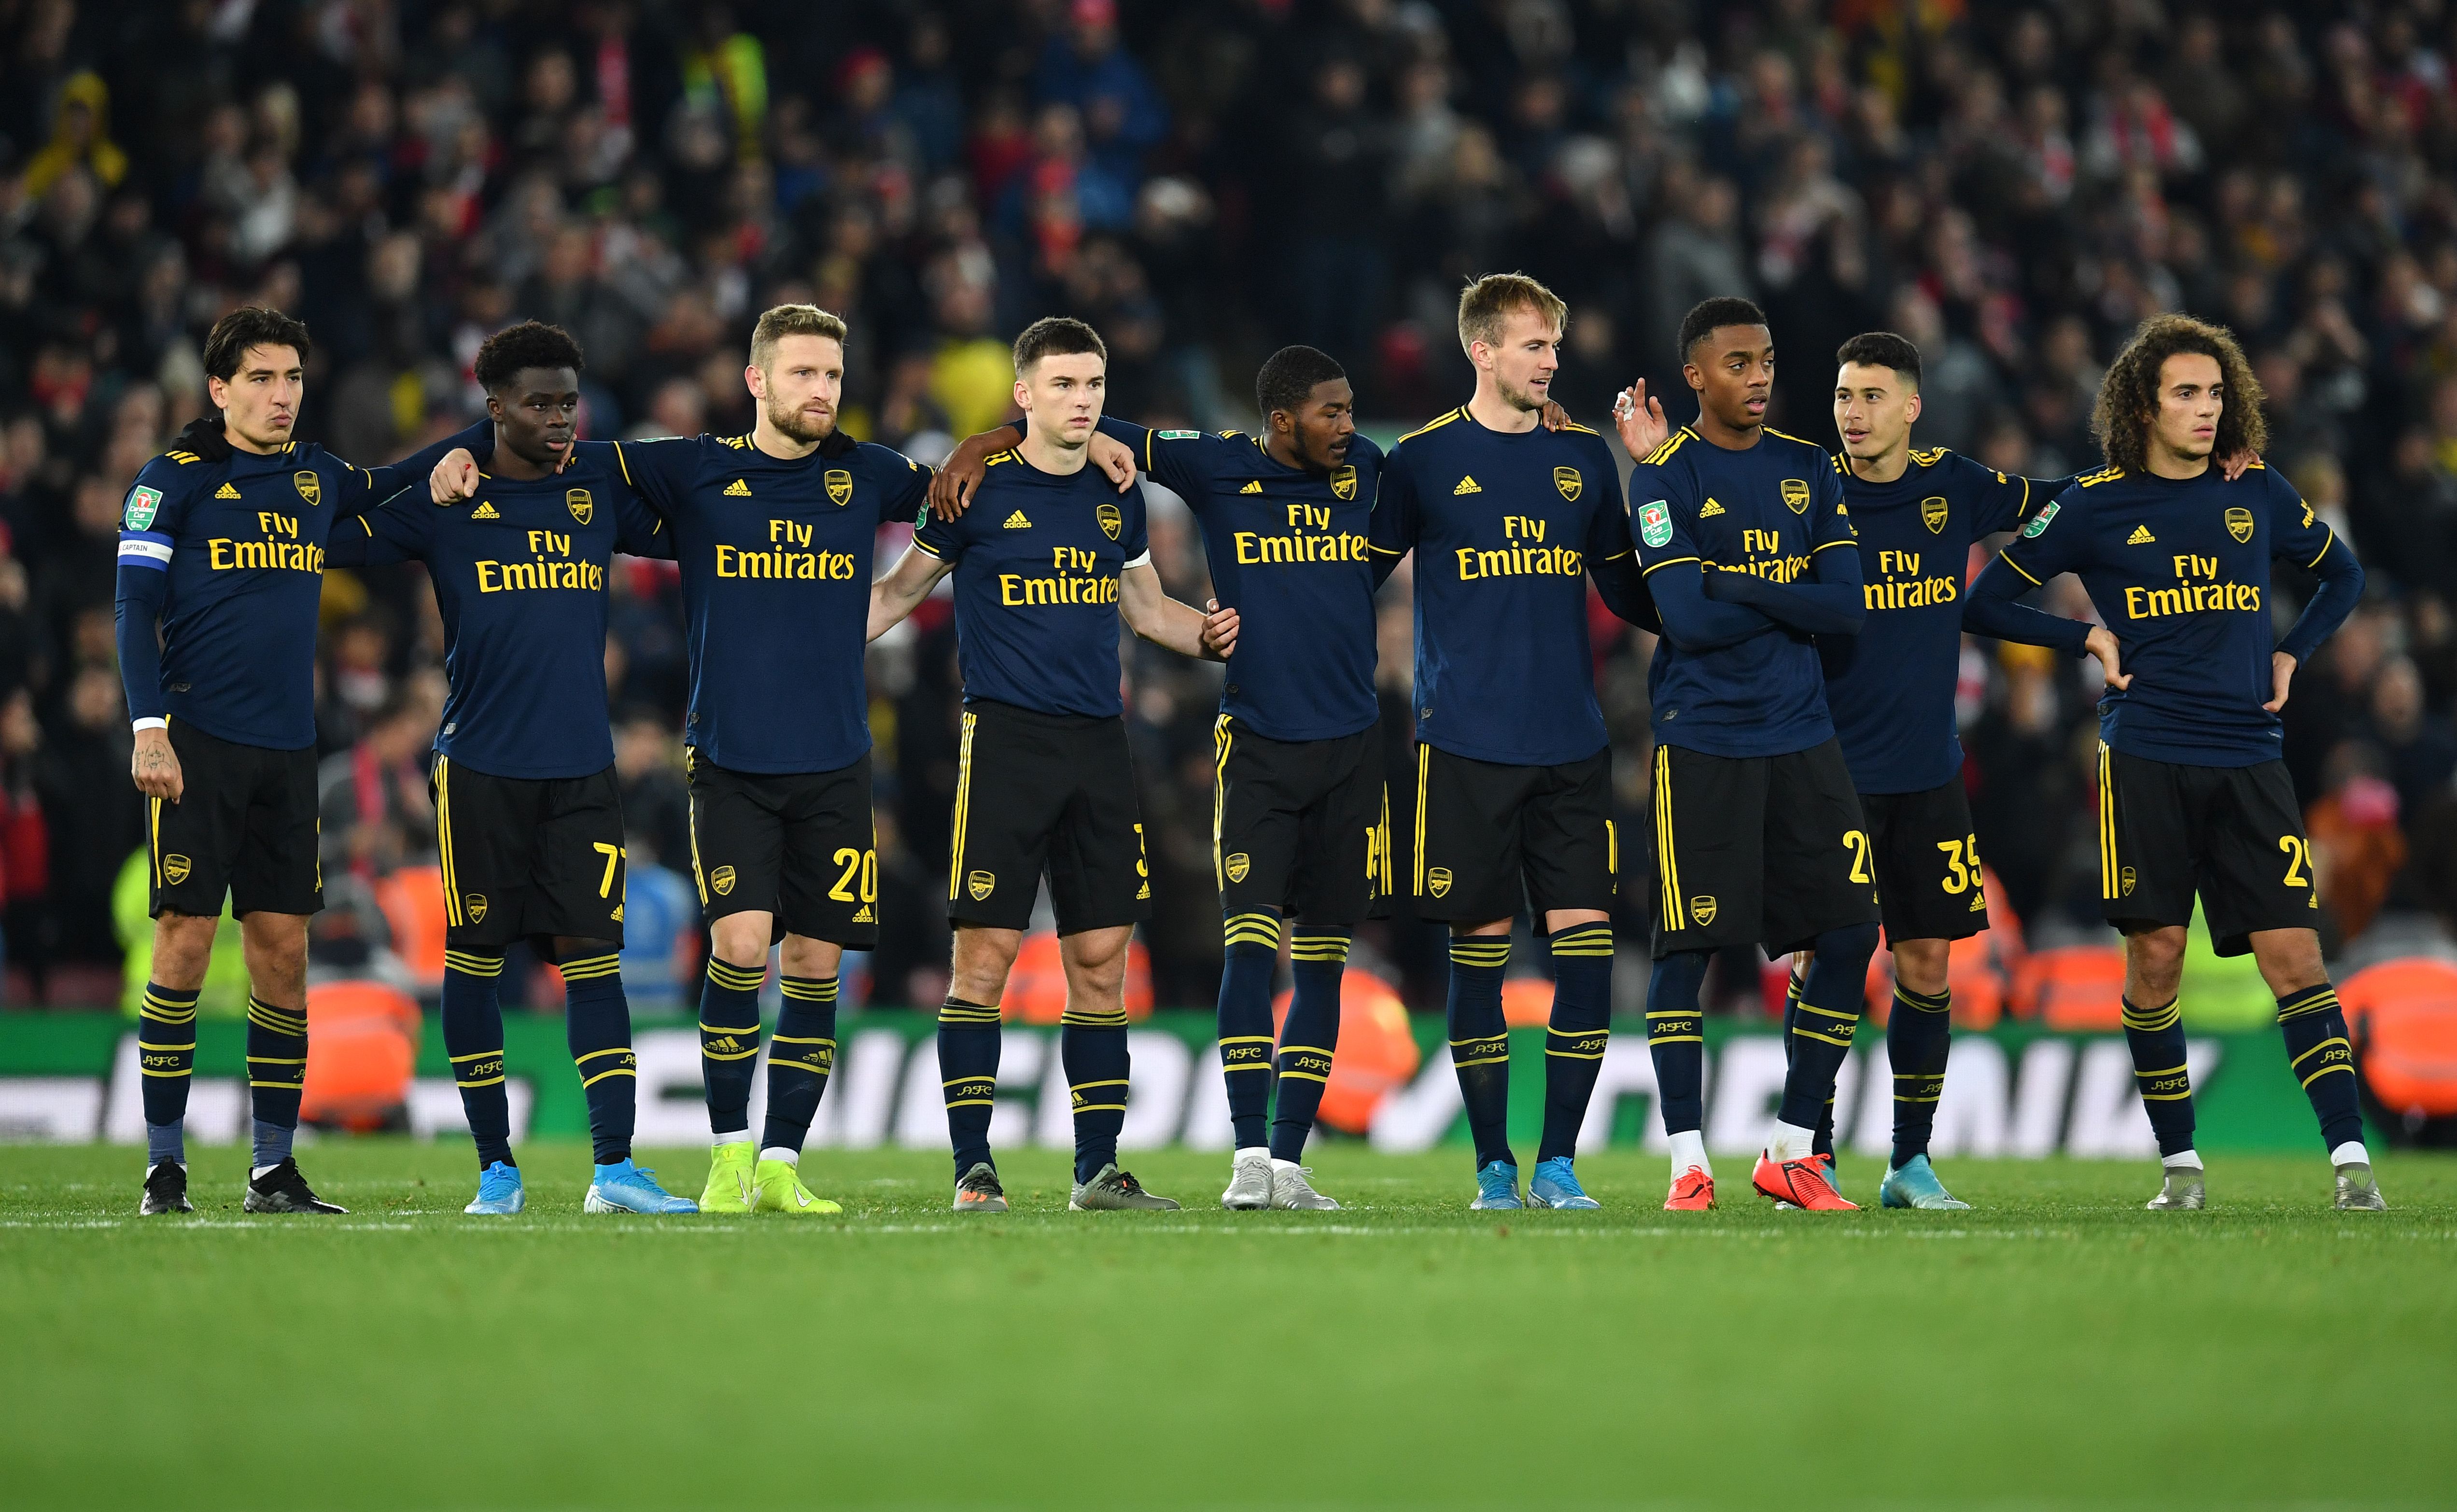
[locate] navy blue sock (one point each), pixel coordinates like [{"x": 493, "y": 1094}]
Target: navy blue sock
[
  {"x": 729, "y": 1042},
  {"x": 597, "y": 1024},
  {"x": 1919, "y": 1032},
  {"x": 800, "y": 1059},
  {"x": 1480, "y": 1041},
  {"x": 2322, "y": 1058},
  {"x": 1573, "y": 1045},
  {"x": 1676, "y": 1039},
  {"x": 1821, "y": 1141},
  {"x": 2155, "y": 1037},
  {"x": 473, "y": 1038},
  {"x": 1093, "y": 1048},
  {"x": 1829, "y": 1010},
  {"x": 1250, "y": 953},
  {"x": 166, "y": 1061},
  {"x": 1317, "y": 959},
  {"x": 276, "y": 1076},
  {"x": 968, "y": 1060}
]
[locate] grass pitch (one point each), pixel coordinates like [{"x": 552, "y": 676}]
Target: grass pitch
[{"x": 2055, "y": 1346}]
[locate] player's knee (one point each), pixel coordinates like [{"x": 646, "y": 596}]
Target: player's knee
[
  {"x": 740, "y": 940},
  {"x": 2289, "y": 960},
  {"x": 1921, "y": 964},
  {"x": 805, "y": 957},
  {"x": 582, "y": 947},
  {"x": 1848, "y": 948}
]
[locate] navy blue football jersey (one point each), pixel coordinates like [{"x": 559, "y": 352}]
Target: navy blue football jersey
[
  {"x": 1890, "y": 687},
  {"x": 1288, "y": 548},
  {"x": 2179, "y": 571},
  {"x": 519, "y": 579},
  {"x": 1037, "y": 559},
  {"x": 1766, "y": 511},
  {"x": 1505, "y": 527},
  {"x": 239, "y": 547},
  {"x": 777, "y": 565}
]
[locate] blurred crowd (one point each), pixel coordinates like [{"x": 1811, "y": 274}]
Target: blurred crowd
[{"x": 2011, "y": 185}]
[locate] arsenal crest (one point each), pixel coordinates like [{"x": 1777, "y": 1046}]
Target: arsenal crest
[
  {"x": 1568, "y": 481},
  {"x": 1795, "y": 495},
  {"x": 981, "y": 885},
  {"x": 1933, "y": 514},
  {"x": 1112, "y": 520},
  {"x": 722, "y": 881},
  {"x": 309, "y": 487},
  {"x": 174, "y": 869},
  {"x": 1238, "y": 866},
  {"x": 1438, "y": 881},
  {"x": 578, "y": 502},
  {"x": 1343, "y": 484},
  {"x": 2240, "y": 524},
  {"x": 840, "y": 487},
  {"x": 475, "y": 906},
  {"x": 1702, "y": 909}
]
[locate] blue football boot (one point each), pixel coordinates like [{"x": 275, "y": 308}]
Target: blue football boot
[
  {"x": 625, "y": 1188},
  {"x": 1496, "y": 1188},
  {"x": 1557, "y": 1185},
  {"x": 1914, "y": 1184},
  {"x": 499, "y": 1194}
]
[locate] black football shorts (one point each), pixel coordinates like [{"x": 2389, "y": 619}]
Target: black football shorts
[
  {"x": 1758, "y": 850},
  {"x": 528, "y": 858},
  {"x": 800, "y": 846},
  {"x": 1492, "y": 838},
  {"x": 2233, "y": 835},
  {"x": 1303, "y": 826},
  {"x": 1927, "y": 863},
  {"x": 245, "y": 824},
  {"x": 1042, "y": 791}
]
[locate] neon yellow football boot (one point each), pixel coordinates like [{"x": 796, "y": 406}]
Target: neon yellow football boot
[
  {"x": 781, "y": 1190},
  {"x": 729, "y": 1187}
]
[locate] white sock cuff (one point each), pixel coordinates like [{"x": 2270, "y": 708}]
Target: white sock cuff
[
  {"x": 1244, "y": 1150},
  {"x": 1277, "y": 1164},
  {"x": 784, "y": 1152},
  {"x": 2182, "y": 1160},
  {"x": 1791, "y": 1141},
  {"x": 2350, "y": 1154},
  {"x": 738, "y": 1136},
  {"x": 1688, "y": 1149}
]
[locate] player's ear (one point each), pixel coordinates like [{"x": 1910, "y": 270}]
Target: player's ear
[
  {"x": 1912, "y": 411},
  {"x": 755, "y": 381}
]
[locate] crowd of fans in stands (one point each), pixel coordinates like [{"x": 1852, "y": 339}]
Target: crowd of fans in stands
[{"x": 2013, "y": 186}]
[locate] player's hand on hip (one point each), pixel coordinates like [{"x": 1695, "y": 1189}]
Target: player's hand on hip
[
  {"x": 1219, "y": 631},
  {"x": 2101, "y": 644},
  {"x": 2281, "y": 671},
  {"x": 1113, "y": 457},
  {"x": 455, "y": 478},
  {"x": 155, "y": 766},
  {"x": 1640, "y": 419}
]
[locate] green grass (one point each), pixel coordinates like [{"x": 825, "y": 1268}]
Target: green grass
[{"x": 2056, "y": 1346}]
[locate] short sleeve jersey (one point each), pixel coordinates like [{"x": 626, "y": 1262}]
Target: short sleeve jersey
[
  {"x": 2179, "y": 571},
  {"x": 1766, "y": 511},
  {"x": 520, "y": 580},
  {"x": 1891, "y": 688},
  {"x": 1038, "y": 558},
  {"x": 777, "y": 557},
  {"x": 1504, "y": 526},
  {"x": 1288, "y": 548},
  {"x": 243, "y": 545}
]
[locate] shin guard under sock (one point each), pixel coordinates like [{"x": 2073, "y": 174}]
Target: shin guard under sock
[
  {"x": 1830, "y": 1011},
  {"x": 276, "y": 1076},
  {"x": 1250, "y": 953},
  {"x": 2155, "y": 1037},
  {"x": 1480, "y": 1041},
  {"x": 1918, "y": 1034},
  {"x": 1092, "y": 1046},
  {"x": 2322, "y": 1058},
  {"x": 968, "y": 1060},
  {"x": 598, "y": 1025},
  {"x": 800, "y": 1059},
  {"x": 728, "y": 1041},
  {"x": 1574, "y": 1044},
  {"x": 473, "y": 1038},
  {"x": 1676, "y": 1039},
  {"x": 1318, "y": 958},
  {"x": 166, "y": 1062}
]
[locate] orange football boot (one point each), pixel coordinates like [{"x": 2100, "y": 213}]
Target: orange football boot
[
  {"x": 1693, "y": 1191},
  {"x": 1800, "y": 1183}
]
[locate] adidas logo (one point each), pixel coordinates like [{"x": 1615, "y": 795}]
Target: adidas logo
[
  {"x": 617, "y": 915},
  {"x": 226, "y": 491},
  {"x": 1016, "y": 521},
  {"x": 863, "y": 916},
  {"x": 484, "y": 512},
  {"x": 1711, "y": 508},
  {"x": 2140, "y": 536},
  {"x": 1256, "y": 486},
  {"x": 1467, "y": 485},
  {"x": 737, "y": 489}
]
